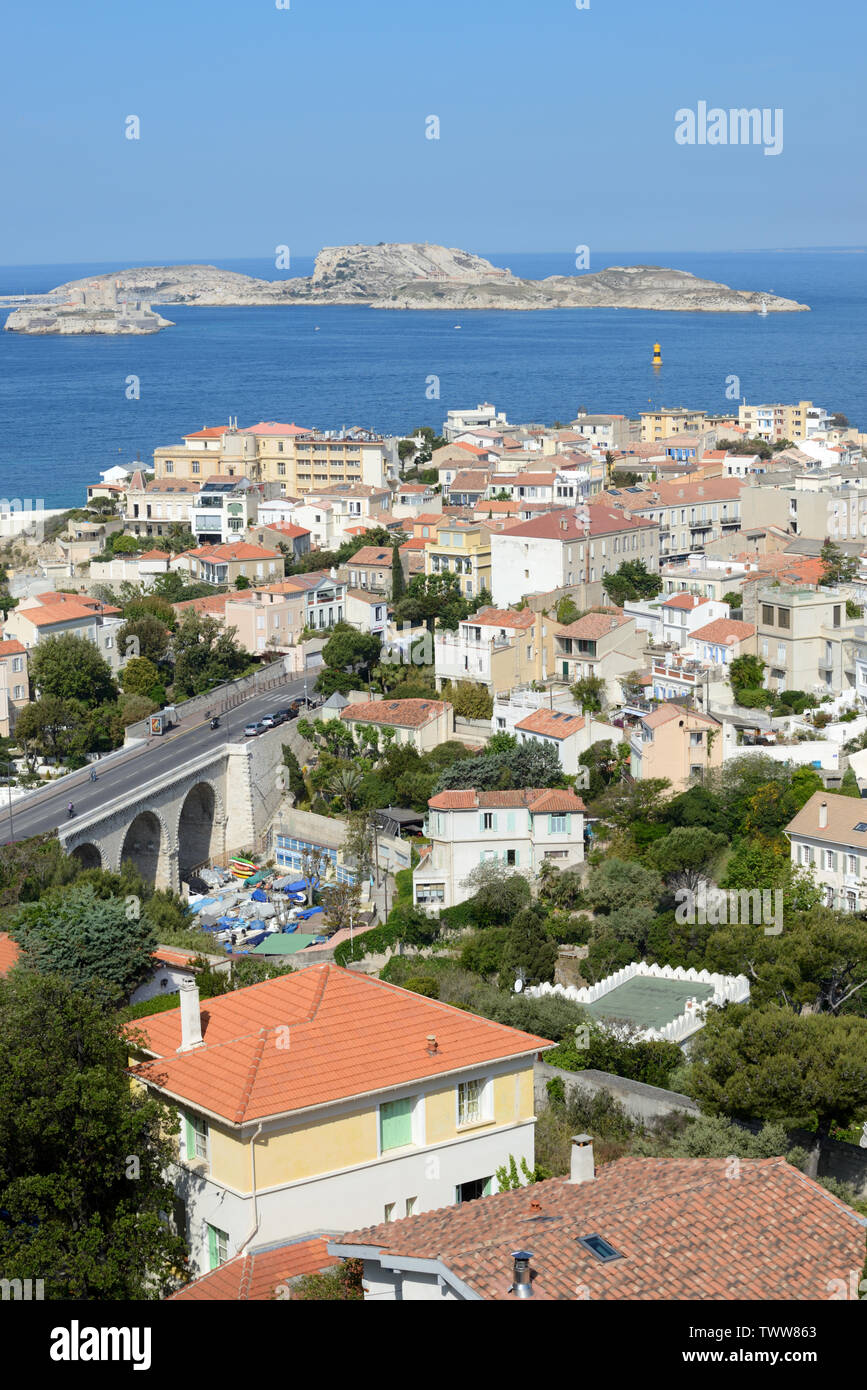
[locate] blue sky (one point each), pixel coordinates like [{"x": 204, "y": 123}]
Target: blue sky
[{"x": 306, "y": 126}]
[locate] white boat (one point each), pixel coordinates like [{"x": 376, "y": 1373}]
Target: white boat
[{"x": 763, "y": 312}]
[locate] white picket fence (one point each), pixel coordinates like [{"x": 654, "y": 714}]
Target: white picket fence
[{"x": 726, "y": 989}]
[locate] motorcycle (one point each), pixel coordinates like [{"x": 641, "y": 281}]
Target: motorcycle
[{"x": 215, "y": 723}]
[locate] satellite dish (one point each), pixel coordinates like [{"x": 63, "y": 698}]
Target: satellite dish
[{"x": 519, "y": 982}]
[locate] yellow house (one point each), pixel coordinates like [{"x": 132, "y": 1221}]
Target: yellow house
[
  {"x": 462, "y": 548},
  {"x": 677, "y": 743},
  {"x": 323, "y": 1099}
]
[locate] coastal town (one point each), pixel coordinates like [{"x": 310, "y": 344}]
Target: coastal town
[{"x": 435, "y": 859}]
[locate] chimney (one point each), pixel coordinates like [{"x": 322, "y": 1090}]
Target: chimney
[
  {"x": 432, "y": 1045},
  {"x": 823, "y": 815},
  {"x": 191, "y": 1018},
  {"x": 522, "y": 1287},
  {"x": 582, "y": 1168}
]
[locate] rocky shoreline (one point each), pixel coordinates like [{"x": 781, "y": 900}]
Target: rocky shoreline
[{"x": 394, "y": 276}]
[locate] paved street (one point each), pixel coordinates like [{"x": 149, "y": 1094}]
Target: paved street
[{"x": 122, "y": 772}]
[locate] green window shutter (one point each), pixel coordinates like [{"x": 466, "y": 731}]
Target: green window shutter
[
  {"x": 495, "y": 821},
  {"x": 510, "y": 821},
  {"x": 517, "y": 857},
  {"x": 395, "y": 1124},
  {"x": 488, "y": 1188},
  {"x": 568, "y": 822},
  {"x": 550, "y": 825},
  {"x": 191, "y": 1138},
  {"x": 482, "y": 821},
  {"x": 213, "y": 1253}
]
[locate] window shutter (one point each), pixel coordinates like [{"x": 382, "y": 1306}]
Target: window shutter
[
  {"x": 191, "y": 1138},
  {"x": 395, "y": 1121},
  {"x": 494, "y": 821},
  {"x": 510, "y": 821},
  {"x": 488, "y": 1188},
  {"x": 568, "y": 822},
  {"x": 550, "y": 825},
  {"x": 482, "y": 822},
  {"x": 213, "y": 1253}
]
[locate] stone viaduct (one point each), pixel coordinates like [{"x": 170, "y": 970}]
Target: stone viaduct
[{"x": 214, "y": 803}]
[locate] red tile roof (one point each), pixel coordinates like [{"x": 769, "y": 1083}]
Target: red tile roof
[
  {"x": 12, "y": 648},
  {"x": 501, "y": 617},
  {"x": 403, "y": 714},
  {"x": 350, "y": 1035},
  {"x": 594, "y": 625},
  {"x": 256, "y": 1275},
  {"x": 561, "y": 524},
  {"x": 529, "y": 798},
  {"x": 272, "y": 427},
  {"x": 685, "y": 601},
  {"x": 685, "y": 1231},
  {"x": 725, "y": 630},
  {"x": 663, "y": 714},
  {"x": 551, "y": 723},
  {"x": 371, "y": 555},
  {"x": 212, "y": 432},
  {"x": 10, "y": 952}
]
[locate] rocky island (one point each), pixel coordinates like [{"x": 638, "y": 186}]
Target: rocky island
[{"x": 388, "y": 276}]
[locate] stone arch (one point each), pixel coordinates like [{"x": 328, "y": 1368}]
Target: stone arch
[
  {"x": 88, "y": 855},
  {"x": 144, "y": 845},
  {"x": 197, "y": 820}
]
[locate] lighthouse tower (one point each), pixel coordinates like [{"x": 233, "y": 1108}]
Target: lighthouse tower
[{"x": 657, "y": 355}]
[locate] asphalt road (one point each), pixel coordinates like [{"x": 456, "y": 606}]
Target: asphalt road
[{"x": 122, "y": 772}]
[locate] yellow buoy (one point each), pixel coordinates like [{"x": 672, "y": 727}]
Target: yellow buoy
[{"x": 657, "y": 355}]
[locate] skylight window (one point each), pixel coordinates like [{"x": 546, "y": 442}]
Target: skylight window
[
  {"x": 600, "y": 1248},
  {"x": 862, "y": 825}
]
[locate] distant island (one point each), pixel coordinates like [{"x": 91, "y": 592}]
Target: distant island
[{"x": 388, "y": 276}]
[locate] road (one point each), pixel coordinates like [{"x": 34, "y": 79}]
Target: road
[{"x": 121, "y": 773}]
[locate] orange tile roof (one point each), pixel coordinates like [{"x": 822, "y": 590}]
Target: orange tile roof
[
  {"x": 685, "y": 1233},
  {"x": 211, "y": 603},
  {"x": 10, "y": 952},
  {"x": 350, "y": 1035},
  {"x": 560, "y": 524},
  {"x": 529, "y": 798},
  {"x": 551, "y": 723},
  {"x": 50, "y": 613},
  {"x": 685, "y": 601},
  {"x": 12, "y": 648},
  {"x": 501, "y": 617},
  {"x": 594, "y": 625},
  {"x": 663, "y": 714},
  {"x": 371, "y": 555},
  {"x": 725, "y": 630},
  {"x": 256, "y": 1274},
  {"x": 154, "y": 555},
  {"x": 404, "y": 714},
  {"x": 212, "y": 432}
]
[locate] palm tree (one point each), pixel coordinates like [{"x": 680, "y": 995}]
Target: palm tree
[{"x": 344, "y": 783}]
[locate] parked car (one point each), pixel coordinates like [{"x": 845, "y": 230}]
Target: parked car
[
  {"x": 252, "y": 729},
  {"x": 268, "y": 721}
]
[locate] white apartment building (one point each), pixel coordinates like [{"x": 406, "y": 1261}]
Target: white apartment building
[
  {"x": 683, "y": 613},
  {"x": 828, "y": 838},
  {"x": 558, "y": 551},
  {"x": 518, "y": 829},
  {"x": 485, "y": 416},
  {"x": 571, "y": 734}
]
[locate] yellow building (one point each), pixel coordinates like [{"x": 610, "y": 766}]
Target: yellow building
[
  {"x": 323, "y": 1099},
  {"x": 462, "y": 548},
  {"x": 676, "y": 743},
  {"x": 776, "y": 422},
  {"x": 297, "y": 460},
  {"x": 660, "y": 423}
]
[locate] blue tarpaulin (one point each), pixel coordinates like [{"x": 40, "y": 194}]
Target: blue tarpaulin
[
  {"x": 203, "y": 902},
  {"x": 309, "y": 912},
  {"x": 258, "y": 896}
]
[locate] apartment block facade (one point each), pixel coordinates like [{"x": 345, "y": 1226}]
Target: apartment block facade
[{"x": 296, "y": 459}]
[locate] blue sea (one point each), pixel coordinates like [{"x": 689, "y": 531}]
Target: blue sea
[{"x": 64, "y": 411}]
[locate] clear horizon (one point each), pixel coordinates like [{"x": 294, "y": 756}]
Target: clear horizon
[{"x": 130, "y": 132}]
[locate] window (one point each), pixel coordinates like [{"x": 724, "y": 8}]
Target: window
[
  {"x": 784, "y": 618},
  {"x": 853, "y": 864},
  {"x": 389, "y": 1211},
  {"x": 410, "y": 1205},
  {"x": 197, "y": 1137},
  {"x": 170, "y": 467},
  {"x": 395, "y": 1124},
  {"x": 218, "y": 1247},
  {"x": 558, "y": 825},
  {"x": 600, "y": 1248},
  {"x": 768, "y": 614},
  {"x": 695, "y": 740},
  {"x": 470, "y": 1102},
  {"x": 469, "y": 1191},
  {"x": 511, "y": 857},
  {"x": 19, "y": 692},
  {"x": 487, "y": 820},
  {"x": 195, "y": 467}
]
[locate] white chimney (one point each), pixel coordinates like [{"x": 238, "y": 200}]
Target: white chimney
[
  {"x": 823, "y": 815},
  {"x": 582, "y": 1167},
  {"x": 191, "y": 1018}
]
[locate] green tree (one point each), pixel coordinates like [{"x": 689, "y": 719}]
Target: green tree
[
  {"x": 339, "y": 1285},
  {"x": 566, "y": 610},
  {"x": 83, "y": 1157},
  {"x": 589, "y": 693},
  {"x": 398, "y": 583},
  {"x": 773, "y": 1064},
  {"x": 145, "y": 636},
  {"x": 342, "y": 903},
  {"x": 837, "y": 568},
  {"x": 734, "y": 599},
  {"x": 633, "y": 580},
  {"x": 295, "y": 778},
  {"x": 746, "y": 673},
  {"x": 469, "y": 699},
  {"x": 432, "y": 599},
  {"x": 352, "y": 651},
  {"x": 617, "y": 883},
  {"x": 345, "y": 783},
  {"x": 686, "y": 856},
  {"x": 528, "y": 949},
  {"x": 102, "y": 946},
  {"x": 71, "y": 668},
  {"x": 242, "y": 582},
  {"x": 205, "y": 654},
  {"x": 139, "y": 676}
]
